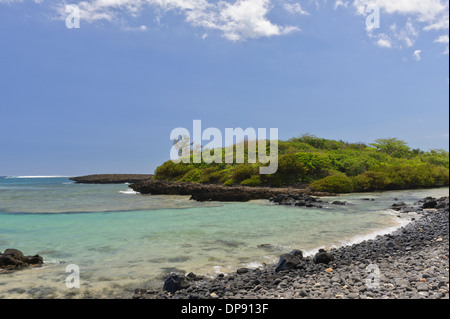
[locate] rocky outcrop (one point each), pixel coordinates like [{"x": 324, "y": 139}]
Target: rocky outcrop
[
  {"x": 13, "y": 259},
  {"x": 213, "y": 192},
  {"x": 303, "y": 200},
  {"x": 111, "y": 178}
]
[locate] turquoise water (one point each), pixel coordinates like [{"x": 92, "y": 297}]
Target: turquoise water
[{"x": 121, "y": 240}]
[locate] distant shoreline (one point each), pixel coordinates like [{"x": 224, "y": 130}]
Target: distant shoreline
[{"x": 111, "y": 178}]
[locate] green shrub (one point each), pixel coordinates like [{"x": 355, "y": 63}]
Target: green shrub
[
  {"x": 214, "y": 177},
  {"x": 192, "y": 176},
  {"x": 230, "y": 182},
  {"x": 255, "y": 180},
  {"x": 333, "y": 184},
  {"x": 170, "y": 171},
  {"x": 242, "y": 172},
  {"x": 370, "y": 181}
]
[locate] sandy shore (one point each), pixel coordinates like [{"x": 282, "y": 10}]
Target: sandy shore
[{"x": 410, "y": 263}]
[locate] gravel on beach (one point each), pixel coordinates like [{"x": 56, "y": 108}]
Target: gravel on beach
[{"x": 410, "y": 263}]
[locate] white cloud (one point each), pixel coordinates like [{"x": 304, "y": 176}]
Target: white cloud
[
  {"x": 240, "y": 20},
  {"x": 294, "y": 8},
  {"x": 340, "y": 3},
  {"x": 424, "y": 15},
  {"x": 429, "y": 11},
  {"x": 416, "y": 55},
  {"x": 384, "y": 41},
  {"x": 443, "y": 39}
]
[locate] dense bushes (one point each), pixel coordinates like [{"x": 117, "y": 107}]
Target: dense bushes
[
  {"x": 334, "y": 184},
  {"x": 330, "y": 166}
]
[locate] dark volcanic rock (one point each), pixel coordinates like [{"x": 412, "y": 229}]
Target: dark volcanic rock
[
  {"x": 290, "y": 261},
  {"x": 303, "y": 200},
  {"x": 175, "y": 282},
  {"x": 430, "y": 204},
  {"x": 398, "y": 206},
  {"x": 213, "y": 192},
  {"x": 336, "y": 202},
  {"x": 13, "y": 259},
  {"x": 322, "y": 257}
]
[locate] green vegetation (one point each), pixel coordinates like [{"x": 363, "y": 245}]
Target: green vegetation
[{"x": 327, "y": 166}]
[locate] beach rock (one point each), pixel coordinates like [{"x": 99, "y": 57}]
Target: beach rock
[
  {"x": 33, "y": 260},
  {"x": 302, "y": 200},
  {"x": 289, "y": 261},
  {"x": 13, "y": 259},
  {"x": 430, "y": 203},
  {"x": 398, "y": 206},
  {"x": 323, "y": 257},
  {"x": 298, "y": 253},
  {"x": 175, "y": 282},
  {"x": 336, "y": 202},
  {"x": 241, "y": 271}
]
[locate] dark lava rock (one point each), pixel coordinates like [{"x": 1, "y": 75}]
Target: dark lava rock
[
  {"x": 398, "y": 206},
  {"x": 302, "y": 200},
  {"x": 293, "y": 260},
  {"x": 215, "y": 192},
  {"x": 336, "y": 202},
  {"x": 175, "y": 282},
  {"x": 323, "y": 257},
  {"x": 13, "y": 259},
  {"x": 297, "y": 252},
  {"x": 241, "y": 271},
  {"x": 430, "y": 204}
]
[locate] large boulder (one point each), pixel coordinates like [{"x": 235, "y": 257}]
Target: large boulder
[
  {"x": 323, "y": 257},
  {"x": 430, "y": 203},
  {"x": 293, "y": 260}
]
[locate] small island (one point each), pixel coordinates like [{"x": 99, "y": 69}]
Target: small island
[{"x": 111, "y": 178}]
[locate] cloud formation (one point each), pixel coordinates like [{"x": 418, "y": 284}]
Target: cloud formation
[
  {"x": 426, "y": 15},
  {"x": 238, "y": 20}
]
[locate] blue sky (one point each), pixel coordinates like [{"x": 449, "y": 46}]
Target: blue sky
[{"x": 103, "y": 98}]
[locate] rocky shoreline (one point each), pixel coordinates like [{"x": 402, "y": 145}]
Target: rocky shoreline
[
  {"x": 111, "y": 178},
  {"x": 410, "y": 263},
  {"x": 213, "y": 192}
]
